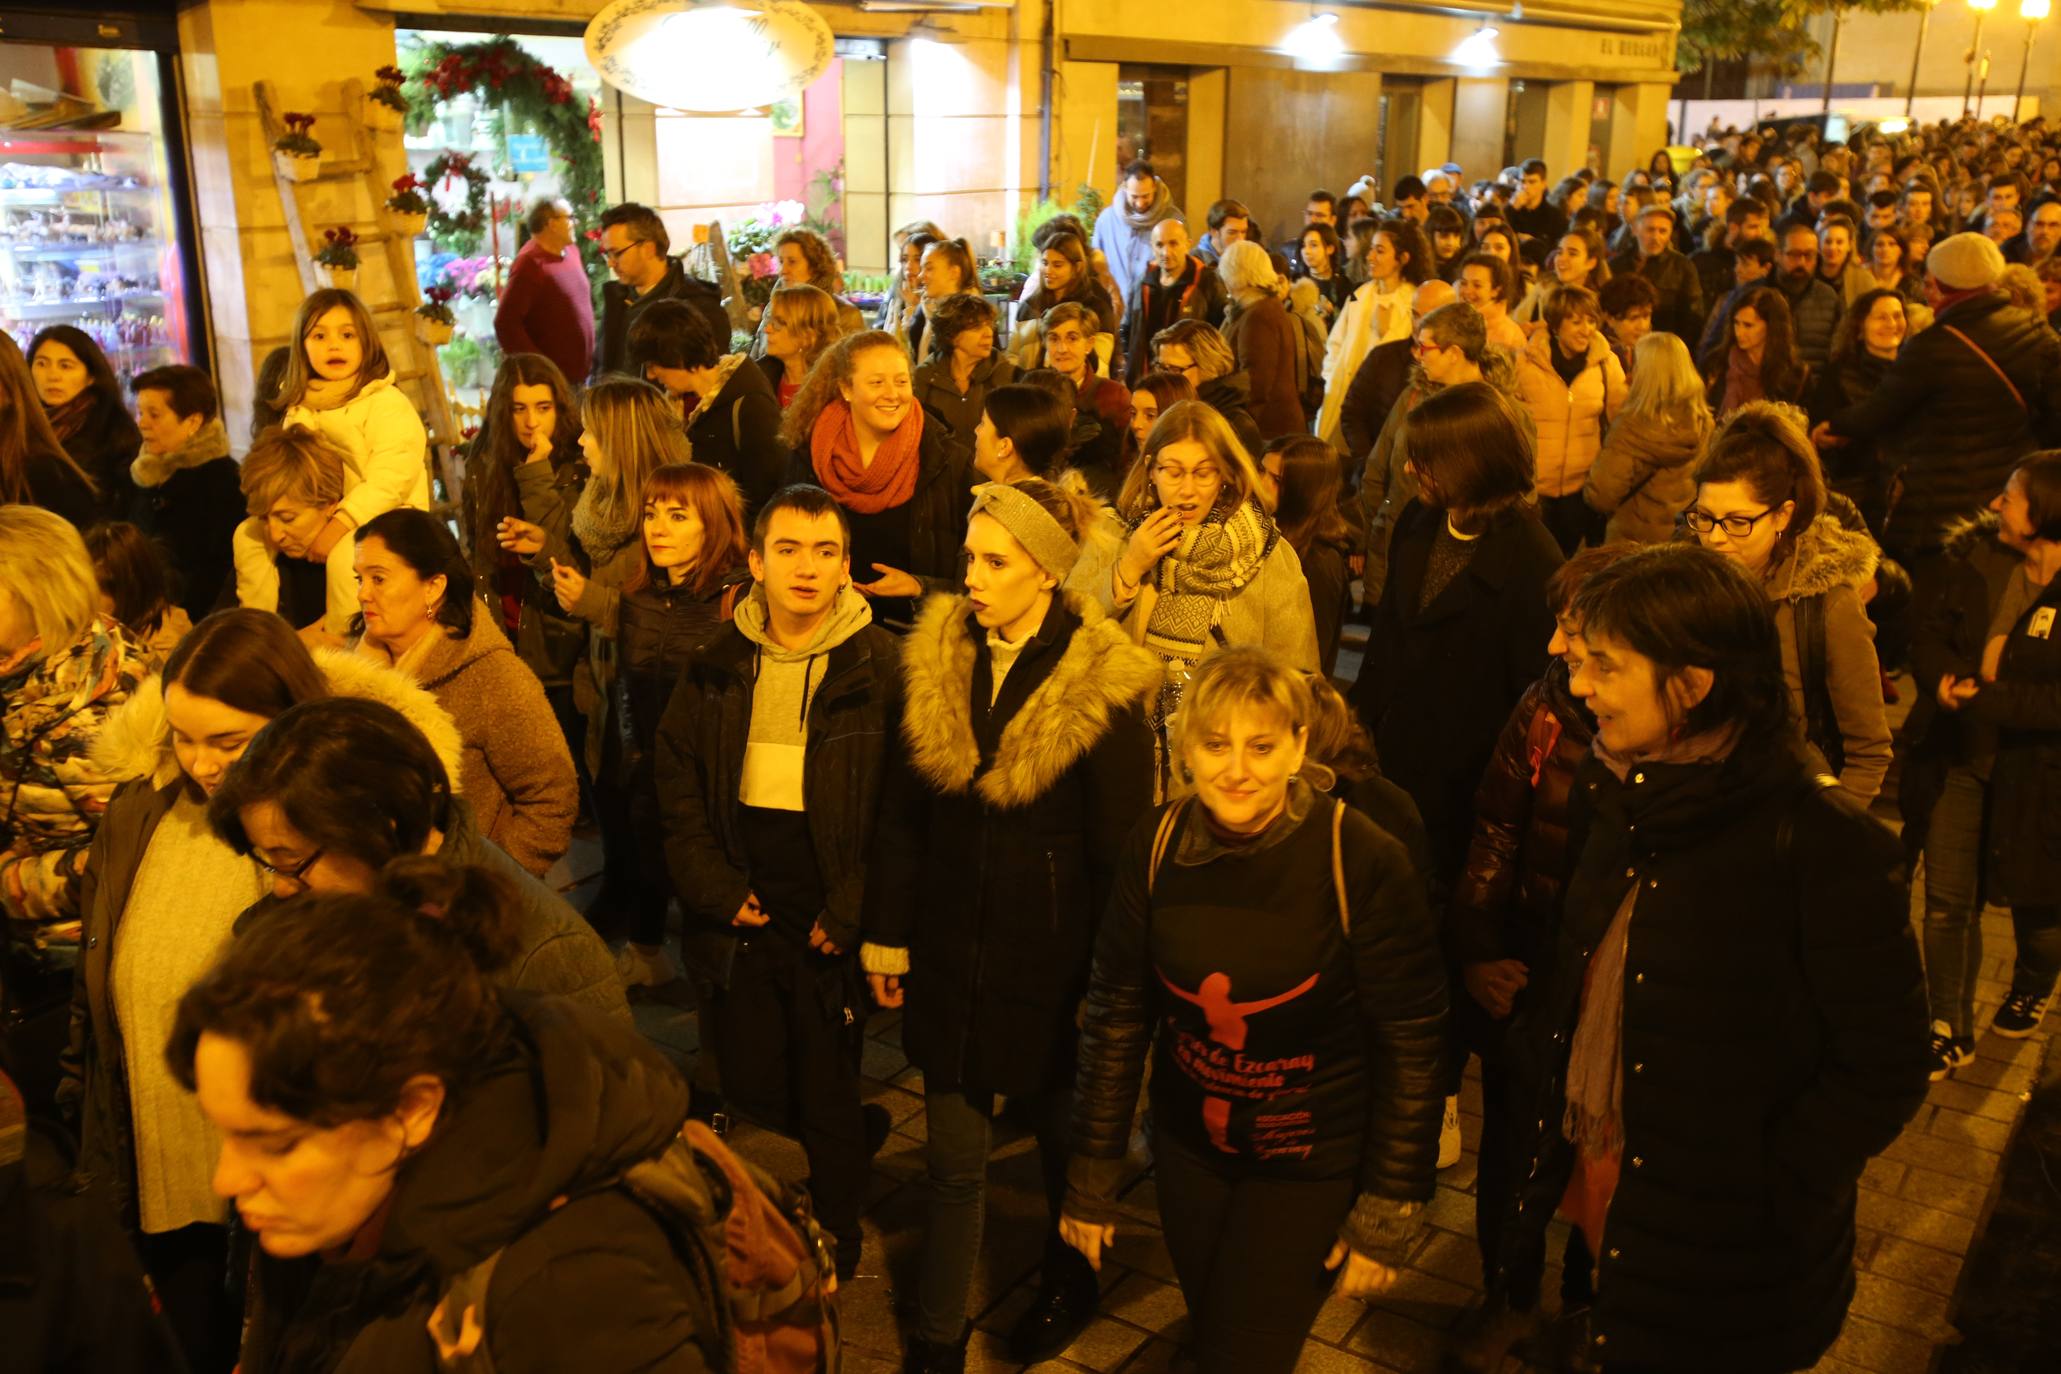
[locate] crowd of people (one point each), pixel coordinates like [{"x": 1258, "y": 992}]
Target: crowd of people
[{"x": 976, "y": 661}]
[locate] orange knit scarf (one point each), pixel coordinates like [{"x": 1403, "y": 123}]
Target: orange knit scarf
[{"x": 862, "y": 489}]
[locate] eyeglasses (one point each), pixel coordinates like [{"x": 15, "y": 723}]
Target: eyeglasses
[
  {"x": 1420, "y": 347},
  {"x": 1185, "y": 369},
  {"x": 1734, "y": 526},
  {"x": 615, "y": 254},
  {"x": 1178, "y": 477},
  {"x": 296, "y": 875}
]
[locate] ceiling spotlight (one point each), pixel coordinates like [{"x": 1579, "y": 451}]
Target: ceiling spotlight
[
  {"x": 1478, "y": 49},
  {"x": 1316, "y": 39}
]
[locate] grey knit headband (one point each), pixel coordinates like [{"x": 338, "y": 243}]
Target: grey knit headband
[{"x": 1042, "y": 537}]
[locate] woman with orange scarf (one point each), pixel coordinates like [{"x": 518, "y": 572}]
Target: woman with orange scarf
[{"x": 858, "y": 433}]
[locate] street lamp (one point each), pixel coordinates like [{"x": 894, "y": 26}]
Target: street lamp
[
  {"x": 1981, "y": 8},
  {"x": 2031, "y": 11},
  {"x": 1918, "y": 51}
]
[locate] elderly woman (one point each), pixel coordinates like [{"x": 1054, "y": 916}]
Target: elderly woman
[{"x": 1263, "y": 338}]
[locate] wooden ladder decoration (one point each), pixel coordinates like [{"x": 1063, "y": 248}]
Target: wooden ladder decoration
[{"x": 416, "y": 371}]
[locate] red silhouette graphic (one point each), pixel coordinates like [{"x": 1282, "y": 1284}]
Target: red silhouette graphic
[{"x": 1227, "y": 1027}]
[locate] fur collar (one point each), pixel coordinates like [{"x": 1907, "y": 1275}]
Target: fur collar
[
  {"x": 136, "y": 739},
  {"x": 1827, "y": 555},
  {"x": 1101, "y": 673},
  {"x": 208, "y": 443}
]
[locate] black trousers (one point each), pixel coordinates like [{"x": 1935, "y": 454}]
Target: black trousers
[
  {"x": 189, "y": 1268},
  {"x": 791, "y": 1026},
  {"x": 1249, "y": 1252}
]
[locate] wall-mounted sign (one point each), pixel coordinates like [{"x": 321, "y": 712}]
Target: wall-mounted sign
[
  {"x": 709, "y": 56},
  {"x": 527, "y": 153}
]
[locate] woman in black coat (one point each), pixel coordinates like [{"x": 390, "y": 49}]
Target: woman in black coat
[
  {"x": 1028, "y": 759},
  {"x": 733, "y": 415},
  {"x": 79, "y": 393},
  {"x": 1731, "y": 1019},
  {"x": 1463, "y": 623},
  {"x": 188, "y": 491}
]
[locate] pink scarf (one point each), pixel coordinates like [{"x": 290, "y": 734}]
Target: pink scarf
[{"x": 834, "y": 453}]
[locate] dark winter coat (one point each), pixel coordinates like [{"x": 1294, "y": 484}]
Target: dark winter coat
[
  {"x": 1151, "y": 306},
  {"x": 853, "y": 714},
  {"x": 620, "y": 308},
  {"x": 1375, "y": 388},
  {"x": 103, "y": 444},
  {"x": 191, "y": 502},
  {"x": 1324, "y": 568},
  {"x": 1854, "y": 469},
  {"x": 1954, "y": 595},
  {"x": 1506, "y": 903},
  {"x": 658, "y": 629},
  {"x": 1265, "y": 340},
  {"x": 956, "y": 411},
  {"x": 1680, "y": 311},
  {"x": 739, "y": 432},
  {"x": 1774, "y": 1040},
  {"x": 1438, "y": 684},
  {"x": 1949, "y": 429},
  {"x": 1814, "y": 312},
  {"x": 550, "y": 640},
  {"x": 1228, "y": 396},
  {"x": 1000, "y": 832},
  {"x": 2023, "y": 839},
  {"x": 57, "y": 489},
  {"x": 569, "y": 1100}
]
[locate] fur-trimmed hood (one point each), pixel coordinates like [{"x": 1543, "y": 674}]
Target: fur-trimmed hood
[
  {"x": 209, "y": 442},
  {"x": 1963, "y": 537},
  {"x": 1100, "y": 674},
  {"x": 136, "y": 740},
  {"x": 1827, "y": 555}
]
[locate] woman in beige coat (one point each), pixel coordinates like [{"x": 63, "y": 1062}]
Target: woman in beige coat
[{"x": 1641, "y": 477}]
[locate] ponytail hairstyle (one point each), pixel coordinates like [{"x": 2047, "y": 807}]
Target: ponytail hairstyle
[
  {"x": 1064, "y": 502},
  {"x": 1036, "y": 421},
  {"x": 1764, "y": 445},
  {"x": 959, "y": 257},
  {"x": 341, "y": 1001}
]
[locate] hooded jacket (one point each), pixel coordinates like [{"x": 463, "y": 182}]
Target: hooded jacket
[
  {"x": 1151, "y": 305},
  {"x": 136, "y": 742},
  {"x": 1817, "y": 597},
  {"x": 1774, "y": 1039},
  {"x": 1571, "y": 416},
  {"x": 520, "y": 1162},
  {"x": 1124, "y": 238},
  {"x": 847, "y": 690},
  {"x": 1949, "y": 428},
  {"x": 1641, "y": 477},
  {"x": 515, "y": 771},
  {"x": 191, "y": 501},
  {"x": 999, "y": 837},
  {"x": 386, "y": 449}
]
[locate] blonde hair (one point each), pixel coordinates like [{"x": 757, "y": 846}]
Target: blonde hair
[
  {"x": 812, "y": 312},
  {"x": 291, "y": 463},
  {"x": 1192, "y": 420},
  {"x": 1205, "y": 343},
  {"x": 1243, "y": 676},
  {"x": 45, "y": 570},
  {"x": 1666, "y": 387},
  {"x": 372, "y": 365},
  {"x": 826, "y": 382},
  {"x": 638, "y": 430}
]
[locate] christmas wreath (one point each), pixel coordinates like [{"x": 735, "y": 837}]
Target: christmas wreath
[
  {"x": 523, "y": 92},
  {"x": 468, "y": 224}
]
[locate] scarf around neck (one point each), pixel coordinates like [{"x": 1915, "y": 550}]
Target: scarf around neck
[
  {"x": 69, "y": 418},
  {"x": 725, "y": 368},
  {"x": 209, "y": 442},
  {"x": 601, "y": 533},
  {"x": 1214, "y": 561},
  {"x": 834, "y": 454},
  {"x": 1742, "y": 380}
]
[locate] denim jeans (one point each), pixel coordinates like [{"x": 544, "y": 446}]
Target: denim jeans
[
  {"x": 958, "y": 1132},
  {"x": 1953, "y": 899}
]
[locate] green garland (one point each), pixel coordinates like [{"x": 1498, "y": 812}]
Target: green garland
[
  {"x": 466, "y": 226},
  {"x": 502, "y": 77}
]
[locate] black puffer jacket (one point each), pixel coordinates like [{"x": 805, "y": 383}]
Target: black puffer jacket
[
  {"x": 571, "y": 1099},
  {"x": 1774, "y": 1038},
  {"x": 1000, "y": 832},
  {"x": 1948, "y": 426},
  {"x": 1373, "y": 1099},
  {"x": 657, "y": 631},
  {"x": 854, "y": 712},
  {"x": 2024, "y": 704}
]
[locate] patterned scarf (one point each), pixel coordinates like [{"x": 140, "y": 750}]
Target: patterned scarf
[
  {"x": 1213, "y": 563},
  {"x": 891, "y": 479}
]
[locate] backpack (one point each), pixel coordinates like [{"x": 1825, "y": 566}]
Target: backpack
[{"x": 762, "y": 1265}]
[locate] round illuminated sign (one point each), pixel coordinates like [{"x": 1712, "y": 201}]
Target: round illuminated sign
[{"x": 709, "y": 56}]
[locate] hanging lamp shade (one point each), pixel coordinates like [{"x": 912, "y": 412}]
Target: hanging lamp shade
[{"x": 709, "y": 56}]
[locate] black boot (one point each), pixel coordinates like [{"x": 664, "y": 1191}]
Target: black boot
[
  {"x": 1068, "y": 1295},
  {"x": 936, "y": 1357}
]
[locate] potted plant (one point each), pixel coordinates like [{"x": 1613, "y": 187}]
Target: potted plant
[
  {"x": 338, "y": 257},
  {"x": 296, "y": 152},
  {"x": 385, "y": 105},
  {"x": 433, "y": 318},
  {"x": 407, "y": 209}
]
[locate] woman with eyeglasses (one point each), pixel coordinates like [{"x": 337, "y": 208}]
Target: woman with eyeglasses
[
  {"x": 1760, "y": 501},
  {"x": 161, "y": 895},
  {"x": 334, "y": 789}
]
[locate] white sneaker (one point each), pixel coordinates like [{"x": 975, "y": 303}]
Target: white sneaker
[
  {"x": 1449, "y": 1135},
  {"x": 646, "y": 966}
]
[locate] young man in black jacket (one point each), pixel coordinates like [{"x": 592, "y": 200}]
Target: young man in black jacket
[{"x": 769, "y": 760}]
